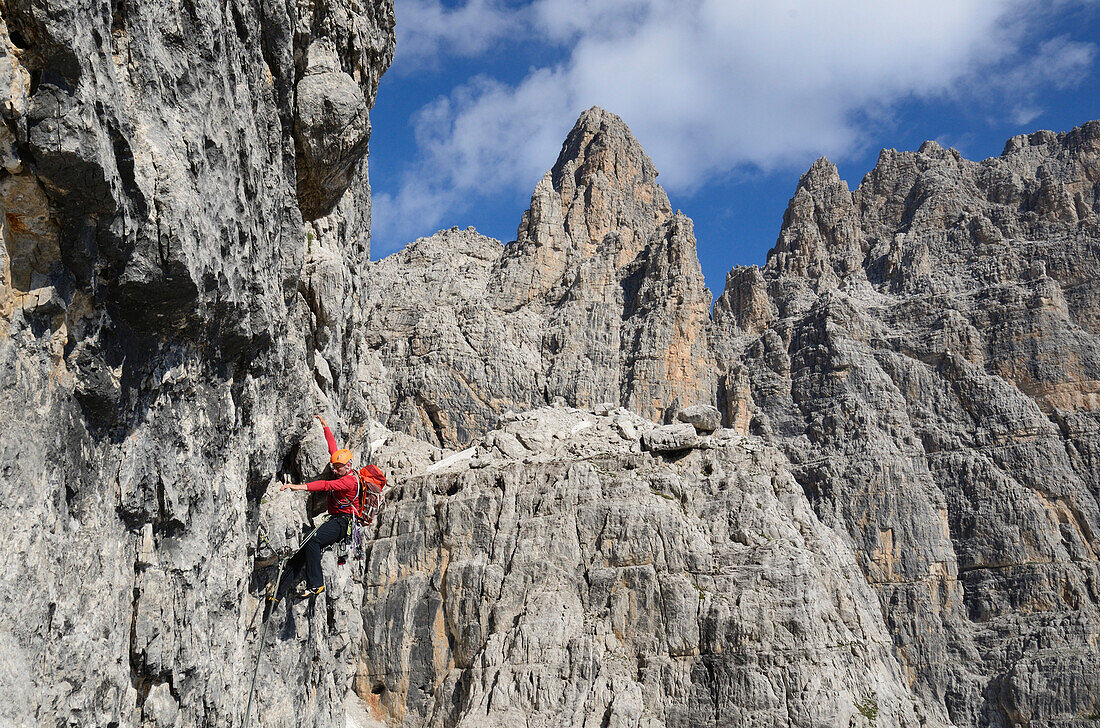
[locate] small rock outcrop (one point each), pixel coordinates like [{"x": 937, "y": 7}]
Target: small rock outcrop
[
  {"x": 704, "y": 418},
  {"x": 669, "y": 438}
]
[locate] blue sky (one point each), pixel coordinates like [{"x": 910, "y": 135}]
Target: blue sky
[{"x": 733, "y": 100}]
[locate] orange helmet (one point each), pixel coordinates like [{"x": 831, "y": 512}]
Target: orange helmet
[{"x": 341, "y": 457}]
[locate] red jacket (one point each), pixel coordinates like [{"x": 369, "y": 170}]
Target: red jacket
[{"x": 341, "y": 491}]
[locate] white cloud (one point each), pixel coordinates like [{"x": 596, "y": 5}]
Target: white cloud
[
  {"x": 1025, "y": 114},
  {"x": 1059, "y": 62},
  {"x": 427, "y": 31},
  {"x": 564, "y": 20},
  {"x": 709, "y": 86}
]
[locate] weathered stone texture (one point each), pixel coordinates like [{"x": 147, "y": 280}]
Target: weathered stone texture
[
  {"x": 923, "y": 349},
  {"x": 584, "y": 583},
  {"x": 928, "y": 361},
  {"x": 897, "y": 524},
  {"x": 156, "y": 352}
]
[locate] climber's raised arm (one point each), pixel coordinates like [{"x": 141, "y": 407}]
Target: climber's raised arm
[{"x": 328, "y": 435}]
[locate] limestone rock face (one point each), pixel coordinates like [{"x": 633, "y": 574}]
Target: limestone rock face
[
  {"x": 332, "y": 131},
  {"x": 158, "y": 354},
  {"x": 600, "y": 299},
  {"x": 923, "y": 350},
  {"x": 584, "y": 583},
  {"x": 926, "y": 351},
  {"x": 446, "y": 362},
  {"x": 603, "y": 184}
]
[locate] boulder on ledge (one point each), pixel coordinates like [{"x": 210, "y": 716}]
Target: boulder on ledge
[
  {"x": 703, "y": 417},
  {"x": 670, "y": 438}
]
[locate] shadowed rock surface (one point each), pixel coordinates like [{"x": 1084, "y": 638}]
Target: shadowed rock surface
[{"x": 168, "y": 324}]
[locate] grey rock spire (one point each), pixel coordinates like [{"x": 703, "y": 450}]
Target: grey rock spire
[
  {"x": 600, "y": 200},
  {"x": 600, "y": 299}
]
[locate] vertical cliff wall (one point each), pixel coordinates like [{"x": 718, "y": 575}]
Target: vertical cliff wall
[{"x": 183, "y": 187}]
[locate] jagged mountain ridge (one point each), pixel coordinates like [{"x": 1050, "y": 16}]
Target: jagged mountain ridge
[
  {"x": 926, "y": 354},
  {"x": 924, "y": 349},
  {"x": 903, "y": 531}
]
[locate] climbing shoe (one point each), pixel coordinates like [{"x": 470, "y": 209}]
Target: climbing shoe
[{"x": 306, "y": 592}]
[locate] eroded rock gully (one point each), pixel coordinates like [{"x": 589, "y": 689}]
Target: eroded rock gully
[{"x": 892, "y": 521}]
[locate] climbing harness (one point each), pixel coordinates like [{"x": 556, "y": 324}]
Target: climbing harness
[{"x": 366, "y": 506}]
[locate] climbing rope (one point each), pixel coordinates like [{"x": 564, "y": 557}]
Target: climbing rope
[
  {"x": 263, "y": 635},
  {"x": 356, "y": 536}
]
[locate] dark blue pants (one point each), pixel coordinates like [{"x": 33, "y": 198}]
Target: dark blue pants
[{"x": 309, "y": 554}]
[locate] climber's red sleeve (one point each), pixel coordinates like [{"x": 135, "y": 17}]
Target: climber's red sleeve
[
  {"x": 344, "y": 484},
  {"x": 330, "y": 440},
  {"x": 315, "y": 485}
]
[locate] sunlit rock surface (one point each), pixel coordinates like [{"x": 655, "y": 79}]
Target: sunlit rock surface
[
  {"x": 600, "y": 299},
  {"x": 926, "y": 351},
  {"x": 554, "y": 574}
]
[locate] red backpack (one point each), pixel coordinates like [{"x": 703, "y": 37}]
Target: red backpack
[{"x": 369, "y": 500}]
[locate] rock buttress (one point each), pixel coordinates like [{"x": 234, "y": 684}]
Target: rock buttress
[{"x": 155, "y": 370}]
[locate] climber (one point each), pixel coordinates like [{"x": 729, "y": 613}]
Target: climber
[{"x": 342, "y": 489}]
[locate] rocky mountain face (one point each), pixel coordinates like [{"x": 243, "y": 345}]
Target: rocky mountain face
[
  {"x": 875, "y": 502},
  {"x": 184, "y": 189},
  {"x": 923, "y": 351},
  {"x": 926, "y": 352},
  {"x": 565, "y": 570},
  {"x": 600, "y": 299}
]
